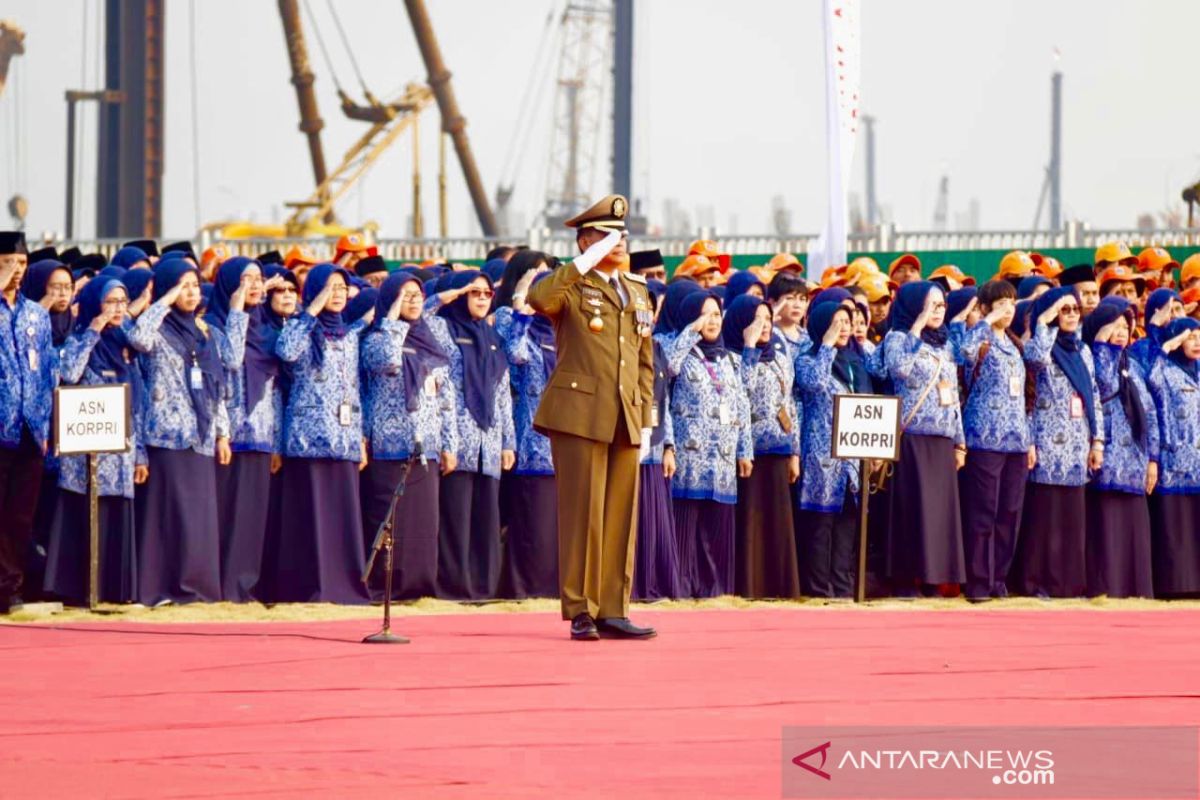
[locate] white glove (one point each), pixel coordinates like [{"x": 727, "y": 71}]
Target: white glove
[
  {"x": 644, "y": 449},
  {"x": 596, "y": 253}
]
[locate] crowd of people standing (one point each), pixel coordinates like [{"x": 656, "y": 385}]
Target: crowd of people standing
[{"x": 1050, "y": 416}]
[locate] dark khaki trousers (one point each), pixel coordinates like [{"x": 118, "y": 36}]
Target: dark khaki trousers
[{"x": 597, "y": 523}]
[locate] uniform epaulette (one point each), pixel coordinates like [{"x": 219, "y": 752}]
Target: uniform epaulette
[{"x": 633, "y": 276}]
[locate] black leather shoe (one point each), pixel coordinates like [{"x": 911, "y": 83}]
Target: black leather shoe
[
  {"x": 622, "y": 628},
  {"x": 583, "y": 629}
]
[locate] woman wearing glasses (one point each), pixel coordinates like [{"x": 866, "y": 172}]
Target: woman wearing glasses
[
  {"x": 318, "y": 555},
  {"x": 1068, "y": 440},
  {"x": 410, "y": 414},
  {"x": 246, "y": 342},
  {"x": 1175, "y": 507},
  {"x": 1118, "y": 519},
  {"x": 97, "y": 352},
  {"x": 469, "y": 537},
  {"x": 185, "y": 425},
  {"x": 925, "y": 547}
]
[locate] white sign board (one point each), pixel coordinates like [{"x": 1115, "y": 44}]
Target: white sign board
[
  {"x": 91, "y": 419},
  {"x": 866, "y": 426}
]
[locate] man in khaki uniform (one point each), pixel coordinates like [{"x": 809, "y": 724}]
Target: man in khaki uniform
[{"x": 594, "y": 409}]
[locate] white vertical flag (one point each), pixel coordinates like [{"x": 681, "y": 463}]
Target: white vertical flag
[{"x": 842, "y": 66}]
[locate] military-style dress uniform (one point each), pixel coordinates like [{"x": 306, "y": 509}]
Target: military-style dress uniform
[{"x": 594, "y": 409}]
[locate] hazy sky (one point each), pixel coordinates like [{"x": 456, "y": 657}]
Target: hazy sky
[{"x": 728, "y": 107}]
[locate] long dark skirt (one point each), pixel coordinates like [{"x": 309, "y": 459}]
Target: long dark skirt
[
  {"x": 1176, "y": 544},
  {"x": 992, "y": 493},
  {"x": 766, "y": 564},
  {"x": 1051, "y": 552},
  {"x": 925, "y": 542},
  {"x": 243, "y": 505},
  {"x": 656, "y": 574},
  {"x": 43, "y": 519},
  {"x": 1118, "y": 545},
  {"x": 829, "y": 561},
  {"x": 704, "y": 530},
  {"x": 179, "y": 547},
  {"x": 469, "y": 536},
  {"x": 529, "y": 566},
  {"x": 68, "y": 555},
  {"x": 317, "y": 556},
  {"x": 414, "y": 530},
  {"x": 262, "y": 589}
]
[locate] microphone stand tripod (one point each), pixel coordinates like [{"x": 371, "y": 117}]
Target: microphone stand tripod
[{"x": 385, "y": 541}]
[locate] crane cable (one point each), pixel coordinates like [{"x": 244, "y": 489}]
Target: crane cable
[
  {"x": 312, "y": 21},
  {"x": 337, "y": 22},
  {"x": 521, "y": 132}
]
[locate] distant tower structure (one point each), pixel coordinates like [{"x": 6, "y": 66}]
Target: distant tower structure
[
  {"x": 942, "y": 208},
  {"x": 580, "y": 111},
  {"x": 872, "y": 205}
]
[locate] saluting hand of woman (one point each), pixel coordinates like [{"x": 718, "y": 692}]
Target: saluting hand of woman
[
  {"x": 1051, "y": 313},
  {"x": 172, "y": 294},
  {"x": 138, "y": 304},
  {"x": 999, "y": 309},
  {"x": 318, "y": 303},
  {"x": 835, "y": 330},
  {"x": 237, "y": 300},
  {"x": 1175, "y": 342},
  {"x": 1105, "y": 333},
  {"x": 753, "y": 332},
  {"x": 99, "y": 323},
  {"x": 1162, "y": 316},
  {"x": 966, "y": 312}
]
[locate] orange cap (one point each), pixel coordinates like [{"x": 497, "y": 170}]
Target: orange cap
[
  {"x": 1190, "y": 298},
  {"x": 1046, "y": 266},
  {"x": 694, "y": 266},
  {"x": 299, "y": 254},
  {"x": 1016, "y": 264},
  {"x": 867, "y": 264},
  {"x": 833, "y": 276},
  {"x": 762, "y": 273},
  {"x": 860, "y": 269},
  {"x": 352, "y": 243},
  {"x": 953, "y": 273},
  {"x": 1155, "y": 259},
  {"x": 1119, "y": 273},
  {"x": 218, "y": 252},
  {"x": 704, "y": 247},
  {"x": 1190, "y": 268},
  {"x": 1115, "y": 253},
  {"x": 781, "y": 261},
  {"x": 877, "y": 287},
  {"x": 907, "y": 258}
]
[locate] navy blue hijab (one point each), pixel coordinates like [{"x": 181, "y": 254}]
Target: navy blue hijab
[
  {"x": 738, "y": 316},
  {"x": 848, "y": 364},
  {"x": 1110, "y": 310},
  {"x": 668, "y": 318},
  {"x": 360, "y": 304},
  {"x": 1157, "y": 299},
  {"x": 908, "y": 305},
  {"x": 1066, "y": 352},
  {"x": 484, "y": 362},
  {"x": 1029, "y": 285},
  {"x": 1178, "y": 326},
  {"x": 112, "y": 353},
  {"x": 689, "y": 311},
  {"x": 740, "y": 283},
  {"x": 129, "y": 255},
  {"x": 957, "y": 300},
  {"x": 136, "y": 281},
  {"x": 422, "y": 353},
  {"x": 183, "y": 335},
  {"x": 330, "y": 324},
  {"x": 33, "y": 286},
  {"x": 260, "y": 362}
]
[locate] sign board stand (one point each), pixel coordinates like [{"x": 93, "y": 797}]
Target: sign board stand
[
  {"x": 89, "y": 420},
  {"x": 866, "y": 427}
]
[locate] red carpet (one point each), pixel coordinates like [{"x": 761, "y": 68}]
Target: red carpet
[{"x": 504, "y": 706}]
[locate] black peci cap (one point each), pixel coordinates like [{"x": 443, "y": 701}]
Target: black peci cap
[
  {"x": 12, "y": 242},
  {"x": 645, "y": 259},
  {"x": 1080, "y": 273},
  {"x": 147, "y": 246},
  {"x": 43, "y": 254},
  {"x": 370, "y": 264},
  {"x": 270, "y": 257}
]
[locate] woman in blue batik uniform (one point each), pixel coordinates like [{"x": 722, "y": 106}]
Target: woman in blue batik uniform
[
  {"x": 469, "y": 537},
  {"x": 999, "y": 453},
  {"x": 713, "y": 448},
  {"x": 246, "y": 342},
  {"x": 1118, "y": 517},
  {"x": 410, "y": 416},
  {"x": 530, "y": 563},
  {"x": 829, "y": 486},
  {"x": 97, "y": 352},
  {"x": 185, "y": 423},
  {"x": 1068, "y": 440},
  {"x": 319, "y": 555},
  {"x": 925, "y": 538},
  {"x": 1175, "y": 383},
  {"x": 1162, "y": 306},
  {"x": 656, "y": 573},
  {"x": 765, "y": 548}
]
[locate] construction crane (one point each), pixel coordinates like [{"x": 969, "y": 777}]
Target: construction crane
[
  {"x": 942, "y": 209},
  {"x": 12, "y": 43}
]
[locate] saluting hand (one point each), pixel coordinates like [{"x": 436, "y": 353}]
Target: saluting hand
[
  {"x": 599, "y": 250},
  {"x": 834, "y": 330},
  {"x": 1174, "y": 343},
  {"x": 138, "y": 305},
  {"x": 753, "y": 332},
  {"x": 1051, "y": 313},
  {"x": 1162, "y": 316},
  {"x": 922, "y": 318},
  {"x": 99, "y": 323},
  {"x": 393, "y": 313},
  {"x": 272, "y": 283},
  {"x": 1105, "y": 333},
  {"x": 319, "y": 302},
  {"x": 171, "y": 295},
  {"x": 237, "y": 300},
  {"x": 966, "y": 312},
  {"x": 999, "y": 309}
]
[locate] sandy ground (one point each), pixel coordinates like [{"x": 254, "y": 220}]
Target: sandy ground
[{"x": 314, "y": 612}]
